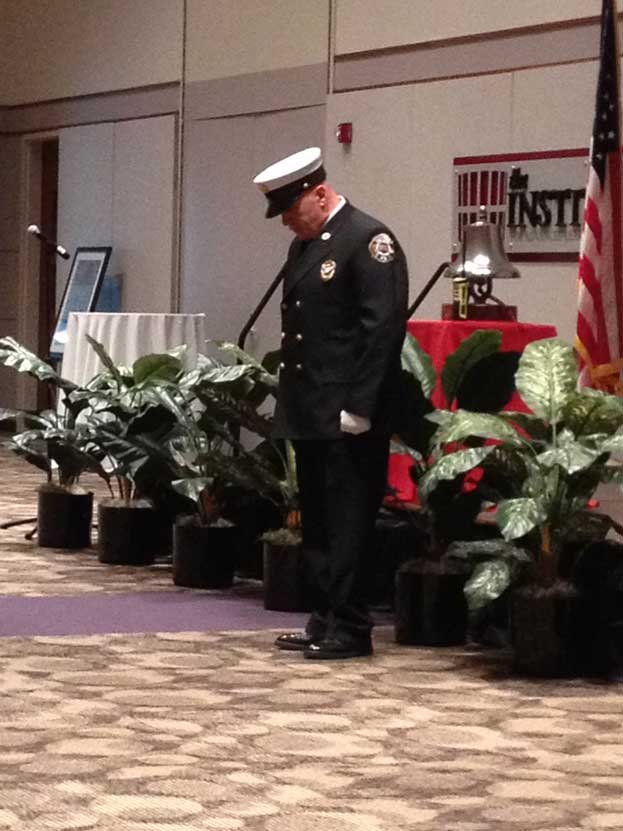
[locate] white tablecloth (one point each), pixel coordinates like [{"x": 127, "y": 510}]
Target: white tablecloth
[{"x": 127, "y": 337}]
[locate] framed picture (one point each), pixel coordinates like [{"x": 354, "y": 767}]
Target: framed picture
[{"x": 81, "y": 291}]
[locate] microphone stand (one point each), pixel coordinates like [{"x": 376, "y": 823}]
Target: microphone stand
[
  {"x": 50, "y": 247},
  {"x": 259, "y": 308},
  {"x": 249, "y": 325}
]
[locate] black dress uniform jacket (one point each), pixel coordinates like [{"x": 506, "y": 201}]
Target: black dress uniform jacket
[{"x": 344, "y": 311}]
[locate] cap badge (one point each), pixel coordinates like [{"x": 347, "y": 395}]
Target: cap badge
[
  {"x": 381, "y": 248},
  {"x": 325, "y": 236},
  {"x": 327, "y": 270}
]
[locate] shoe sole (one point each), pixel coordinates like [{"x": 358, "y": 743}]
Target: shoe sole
[{"x": 334, "y": 656}]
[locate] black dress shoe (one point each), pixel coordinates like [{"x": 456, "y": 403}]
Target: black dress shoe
[
  {"x": 295, "y": 641},
  {"x": 332, "y": 649}
]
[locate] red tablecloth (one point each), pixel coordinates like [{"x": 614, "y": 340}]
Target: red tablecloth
[{"x": 440, "y": 338}]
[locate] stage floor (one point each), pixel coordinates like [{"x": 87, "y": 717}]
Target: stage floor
[{"x": 129, "y": 705}]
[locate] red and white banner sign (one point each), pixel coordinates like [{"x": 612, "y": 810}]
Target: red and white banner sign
[{"x": 537, "y": 197}]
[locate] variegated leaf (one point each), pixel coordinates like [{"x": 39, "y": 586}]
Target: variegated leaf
[
  {"x": 465, "y": 424},
  {"x": 451, "y": 466},
  {"x": 488, "y": 581},
  {"x": 516, "y": 517},
  {"x": 547, "y": 377},
  {"x": 419, "y": 363}
]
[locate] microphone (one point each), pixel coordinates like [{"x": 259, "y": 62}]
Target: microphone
[{"x": 35, "y": 230}]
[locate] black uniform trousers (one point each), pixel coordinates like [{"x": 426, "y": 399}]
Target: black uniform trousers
[{"x": 341, "y": 485}]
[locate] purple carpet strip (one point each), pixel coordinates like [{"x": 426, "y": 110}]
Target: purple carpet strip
[{"x": 138, "y": 612}]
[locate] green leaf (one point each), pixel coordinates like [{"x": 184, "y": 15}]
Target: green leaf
[
  {"x": 497, "y": 549},
  {"x": 411, "y": 423},
  {"x": 488, "y": 581},
  {"x": 530, "y": 424},
  {"x": 238, "y": 353},
  {"x": 478, "y": 345},
  {"x": 243, "y": 357},
  {"x": 516, "y": 517},
  {"x": 464, "y": 424},
  {"x": 592, "y": 411},
  {"x": 489, "y": 384},
  {"x": 105, "y": 358},
  {"x": 153, "y": 369},
  {"x": 166, "y": 398},
  {"x": 418, "y": 363},
  {"x": 271, "y": 361},
  {"x": 547, "y": 377},
  {"x": 226, "y": 374},
  {"x": 31, "y": 446},
  {"x": 613, "y": 445},
  {"x": 572, "y": 456},
  {"x": 15, "y": 355},
  {"x": 21, "y": 415},
  {"x": 192, "y": 488},
  {"x": 451, "y": 466}
]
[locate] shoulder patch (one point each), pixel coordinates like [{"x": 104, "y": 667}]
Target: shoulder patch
[{"x": 381, "y": 248}]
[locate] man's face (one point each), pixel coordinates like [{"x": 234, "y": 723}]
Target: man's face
[{"x": 307, "y": 216}]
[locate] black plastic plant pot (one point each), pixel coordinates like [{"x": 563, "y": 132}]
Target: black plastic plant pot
[
  {"x": 64, "y": 518},
  {"x": 430, "y": 607},
  {"x": 204, "y": 557},
  {"x": 544, "y": 631},
  {"x": 285, "y": 584},
  {"x": 127, "y": 535}
]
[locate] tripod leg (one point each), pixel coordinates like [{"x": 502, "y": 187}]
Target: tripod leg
[{"x": 15, "y": 522}]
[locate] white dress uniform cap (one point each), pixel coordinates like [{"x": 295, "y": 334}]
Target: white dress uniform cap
[{"x": 286, "y": 180}]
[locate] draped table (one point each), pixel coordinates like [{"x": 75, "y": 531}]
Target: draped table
[
  {"x": 440, "y": 338},
  {"x": 126, "y": 337}
]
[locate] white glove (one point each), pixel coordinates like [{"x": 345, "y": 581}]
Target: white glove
[{"x": 354, "y": 424}]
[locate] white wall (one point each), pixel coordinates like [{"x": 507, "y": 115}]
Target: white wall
[
  {"x": 116, "y": 187},
  {"x": 234, "y": 37},
  {"x": 85, "y": 177},
  {"x": 400, "y": 165},
  {"x": 231, "y": 252},
  {"x": 62, "y": 48},
  {"x": 363, "y": 25},
  {"x": 143, "y": 211}
]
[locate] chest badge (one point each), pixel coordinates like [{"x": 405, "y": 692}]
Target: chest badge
[{"x": 327, "y": 270}]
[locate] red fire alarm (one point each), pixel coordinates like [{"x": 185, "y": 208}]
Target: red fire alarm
[{"x": 344, "y": 132}]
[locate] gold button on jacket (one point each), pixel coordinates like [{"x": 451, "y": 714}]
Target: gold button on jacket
[{"x": 344, "y": 334}]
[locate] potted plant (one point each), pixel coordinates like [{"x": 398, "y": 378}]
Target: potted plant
[
  {"x": 127, "y": 423},
  {"x": 286, "y": 584},
  {"x": 430, "y": 606},
  {"x": 211, "y": 405},
  {"x": 284, "y": 572},
  {"x": 60, "y": 445},
  {"x": 559, "y": 453}
]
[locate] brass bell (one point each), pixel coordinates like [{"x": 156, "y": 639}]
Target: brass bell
[{"x": 482, "y": 256}]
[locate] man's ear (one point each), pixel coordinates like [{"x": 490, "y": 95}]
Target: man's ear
[{"x": 321, "y": 196}]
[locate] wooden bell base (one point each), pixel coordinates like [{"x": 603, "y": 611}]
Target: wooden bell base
[{"x": 479, "y": 311}]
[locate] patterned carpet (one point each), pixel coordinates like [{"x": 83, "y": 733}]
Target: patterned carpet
[{"x": 174, "y": 731}]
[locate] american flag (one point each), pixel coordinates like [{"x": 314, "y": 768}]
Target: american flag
[{"x": 599, "y": 338}]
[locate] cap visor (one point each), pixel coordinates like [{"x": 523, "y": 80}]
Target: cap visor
[{"x": 273, "y": 210}]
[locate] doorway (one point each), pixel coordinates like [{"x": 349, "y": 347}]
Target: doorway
[
  {"x": 37, "y": 281},
  {"x": 47, "y": 260}
]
